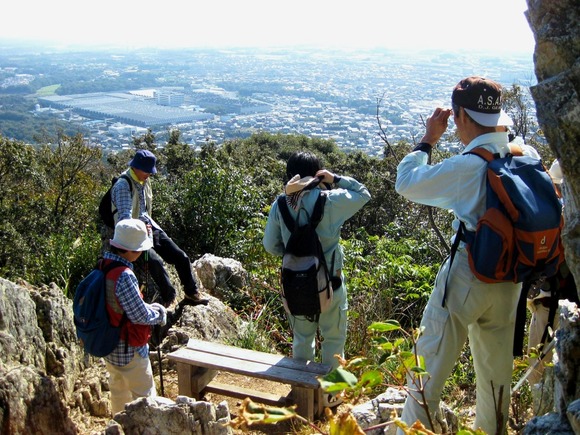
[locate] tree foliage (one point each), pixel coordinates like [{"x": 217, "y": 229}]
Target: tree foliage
[
  {"x": 47, "y": 201},
  {"x": 213, "y": 200},
  {"x": 68, "y": 168}
]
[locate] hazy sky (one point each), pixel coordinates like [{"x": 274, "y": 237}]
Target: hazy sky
[{"x": 218, "y": 23}]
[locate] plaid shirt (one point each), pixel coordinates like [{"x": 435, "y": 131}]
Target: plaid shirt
[
  {"x": 123, "y": 200},
  {"x": 138, "y": 312}
]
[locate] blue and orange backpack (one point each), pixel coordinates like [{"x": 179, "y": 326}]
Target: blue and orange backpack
[{"x": 518, "y": 237}]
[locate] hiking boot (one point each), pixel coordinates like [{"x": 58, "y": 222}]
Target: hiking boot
[
  {"x": 195, "y": 299},
  {"x": 167, "y": 304}
]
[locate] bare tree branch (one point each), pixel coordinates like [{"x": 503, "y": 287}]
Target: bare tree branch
[
  {"x": 383, "y": 136},
  {"x": 382, "y": 132}
]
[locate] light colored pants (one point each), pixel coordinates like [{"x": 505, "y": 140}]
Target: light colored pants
[
  {"x": 332, "y": 324},
  {"x": 538, "y": 324},
  {"x": 130, "y": 382},
  {"x": 484, "y": 313}
]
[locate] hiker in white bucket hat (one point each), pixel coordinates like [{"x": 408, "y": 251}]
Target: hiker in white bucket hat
[{"x": 129, "y": 365}]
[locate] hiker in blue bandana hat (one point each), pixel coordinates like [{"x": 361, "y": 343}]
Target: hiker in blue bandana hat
[{"x": 135, "y": 201}]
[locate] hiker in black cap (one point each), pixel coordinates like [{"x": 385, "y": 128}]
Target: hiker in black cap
[
  {"x": 136, "y": 203},
  {"x": 472, "y": 310}
]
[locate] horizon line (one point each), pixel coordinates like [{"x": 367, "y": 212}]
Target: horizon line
[{"x": 62, "y": 46}]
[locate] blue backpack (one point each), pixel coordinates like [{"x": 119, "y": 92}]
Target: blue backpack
[
  {"x": 518, "y": 237},
  {"x": 98, "y": 337}
]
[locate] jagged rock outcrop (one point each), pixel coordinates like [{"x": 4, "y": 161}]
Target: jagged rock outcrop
[
  {"x": 379, "y": 412},
  {"x": 556, "y": 28},
  {"x": 566, "y": 374},
  {"x": 45, "y": 377},
  {"x": 566, "y": 368},
  {"x": 166, "y": 417},
  {"x": 39, "y": 359},
  {"x": 221, "y": 277}
]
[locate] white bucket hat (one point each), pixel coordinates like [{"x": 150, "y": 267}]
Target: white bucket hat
[{"x": 131, "y": 235}]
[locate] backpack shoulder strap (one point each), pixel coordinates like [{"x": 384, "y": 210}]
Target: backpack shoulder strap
[
  {"x": 108, "y": 266},
  {"x": 283, "y": 206},
  {"x": 129, "y": 181},
  {"x": 318, "y": 211},
  {"x": 486, "y": 155}
]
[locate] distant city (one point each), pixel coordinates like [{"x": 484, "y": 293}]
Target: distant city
[{"x": 216, "y": 95}]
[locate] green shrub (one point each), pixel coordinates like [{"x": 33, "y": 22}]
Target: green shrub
[
  {"x": 66, "y": 260},
  {"x": 385, "y": 280}
]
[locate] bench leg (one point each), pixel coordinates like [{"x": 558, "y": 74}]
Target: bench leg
[
  {"x": 192, "y": 380},
  {"x": 308, "y": 401},
  {"x": 199, "y": 381},
  {"x": 318, "y": 405}
]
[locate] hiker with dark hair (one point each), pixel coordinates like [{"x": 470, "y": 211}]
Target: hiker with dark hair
[
  {"x": 461, "y": 306},
  {"x": 345, "y": 197},
  {"x": 136, "y": 202},
  {"x": 128, "y": 365}
]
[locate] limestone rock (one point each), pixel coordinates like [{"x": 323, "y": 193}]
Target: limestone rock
[
  {"x": 573, "y": 413},
  {"x": 159, "y": 416},
  {"x": 21, "y": 339},
  {"x": 31, "y": 403},
  {"x": 45, "y": 377},
  {"x": 548, "y": 424},
  {"x": 389, "y": 405},
  {"x": 566, "y": 375},
  {"x": 556, "y": 28},
  {"x": 221, "y": 277},
  {"x": 567, "y": 367},
  {"x": 543, "y": 393},
  {"x": 39, "y": 359}
]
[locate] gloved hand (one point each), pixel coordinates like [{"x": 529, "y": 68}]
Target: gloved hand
[{"x": 162, "y": 312}]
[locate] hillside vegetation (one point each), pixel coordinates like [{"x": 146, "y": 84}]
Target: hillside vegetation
[{"x": 216, "y": 200}]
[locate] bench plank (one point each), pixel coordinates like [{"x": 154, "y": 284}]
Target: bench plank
[
  {"x": 248, "y": 368},
  {"x": 259, "y": 357}
]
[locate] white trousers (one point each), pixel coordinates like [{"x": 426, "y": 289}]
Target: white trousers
[
  {"x": 332, "y": 324},
  {"x": 130, "y": 382},
  {"x": 538, "y": 322},
  {"x": 483, "y": 313}
]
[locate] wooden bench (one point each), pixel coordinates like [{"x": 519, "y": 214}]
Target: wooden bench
[{"x": 199, "y": 362}]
